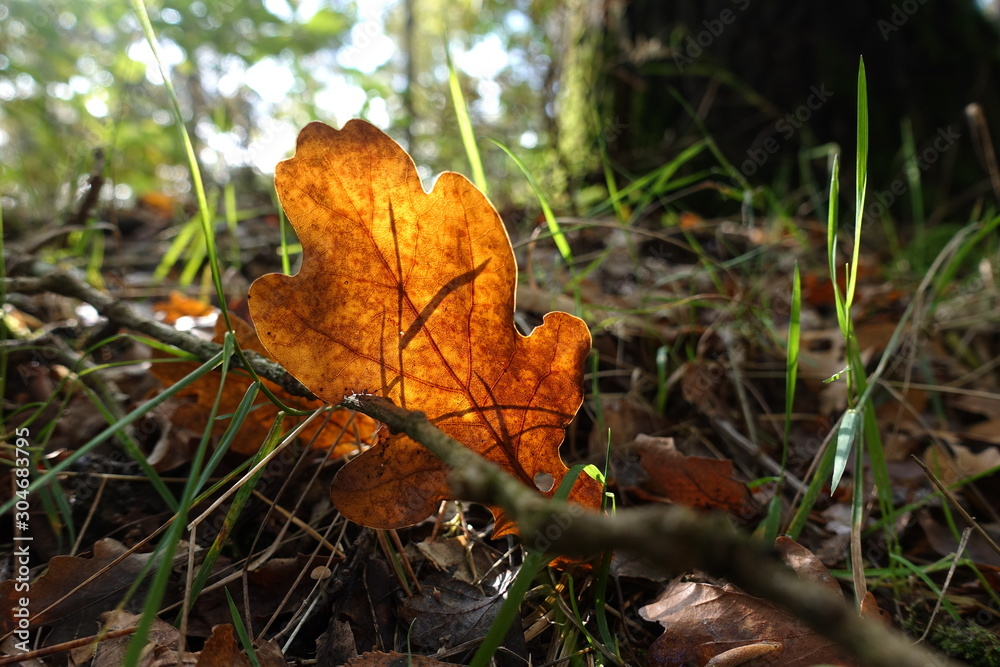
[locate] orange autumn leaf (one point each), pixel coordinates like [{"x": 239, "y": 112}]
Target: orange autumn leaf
[
  {"x": 410, "y": 295},
  {"x": 178, "y": 305},
  {"x": 195, "y": 405}
]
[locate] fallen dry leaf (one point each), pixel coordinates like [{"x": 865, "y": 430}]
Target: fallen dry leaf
[
  {"x": 269, "y": 590},
  {"x": 708, "y": 624},
  {"x": 460, "y": 559},
  {"x": 375, "y": 659},
  {"x": 960, "y": 462},
  {"x": 194, "y": 404},
  {"x": 161, "y": 650},
  {"x": 985, "y": 431},
  {"x": 448, "y": 612},
  {"x": 410, "y": 295},
  {"x": 221, "y": 649},
  {"x": 705, "y": 621},
  {"x": 76, "y": 613},
  {"x": 694, "y": 481},
  {"x": 161, "y": 644}
]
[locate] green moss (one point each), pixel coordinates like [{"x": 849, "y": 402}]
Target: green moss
[{"x": 968, "y": 641}]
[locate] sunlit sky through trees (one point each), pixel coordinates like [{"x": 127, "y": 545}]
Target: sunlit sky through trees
[{"x": 79, "y": 76}]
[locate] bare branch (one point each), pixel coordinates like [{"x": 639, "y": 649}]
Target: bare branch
[
  {"x": 118, "y": 311},
  {"x": 672, "y": 538}
]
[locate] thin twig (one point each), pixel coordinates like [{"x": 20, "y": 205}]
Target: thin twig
[
  {"x": 94, "y": 184},
  {"x": 49, "y": 279},
  {"x": 947, "y": 582},
  {"x": 957, "y": 505},
  {"x": 64, "y": 646}
]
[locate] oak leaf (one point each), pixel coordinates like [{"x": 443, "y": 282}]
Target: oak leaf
[
  {"x": 410, "y": 295},
  {"x": 448, "y": 612},
  {"x": 74, "y": 590}
]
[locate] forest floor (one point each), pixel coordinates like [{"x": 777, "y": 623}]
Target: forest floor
[{"x": 685, "y": 388}]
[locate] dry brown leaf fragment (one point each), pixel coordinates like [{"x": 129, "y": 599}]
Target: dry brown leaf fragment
[
  {"x": 707, "y": 624},
  {"x": 694, "y": 481},
  {"x": 65, "y": 573},
  {"x": 161, "y": 646},
  {"x": 410, "y": 295},
  {"x": 448, "y": 612},
  {"x": 391, "y": 659},
  {"x": 703, "y": 621},
  {"x": 221, "y": 649},
  {"x": 805, "y": 563}
]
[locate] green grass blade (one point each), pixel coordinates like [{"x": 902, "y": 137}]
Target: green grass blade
[
  {"x": 242, "y": 410},
  {"x": 604, "y": 569},
  {"x": 3, "y": 323},
  {"x": 465, "y": 125},
  {"x": 286, "y": 261},
  {"x": 773, "y": 520},
  {"x": 613, "y": 196},
  {"x": 170, "y": 541},
  {"x": 205, "y": 212},
  {"x": 130, "y": 418},
  {"x": 240, "y": 499},
  {"x": 720, "y": 157},
  {"x": 241, "y": 630},
  {"x": 831, "y": 235},
  {"x": 660, "y": 182},
  {"x": 845, "y": 439},
  {"x": 862, "y": 181},
  {"x": 986, "y": 230},
  {"x": 935, "y": 590},
  {"x": 550, "y": 219},
  {"x": 637, "y": 189},
  {"x": 133, "y": 450},
  {"x": 792, "y": 357},
  {"x": 534, "y": 562},
  {"x": 184, "y": 238},
  {"x": 194, "y": 261}
]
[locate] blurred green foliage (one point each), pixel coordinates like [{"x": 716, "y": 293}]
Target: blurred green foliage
[
  {"x": 74, "y": 78},
  {"x": 77, "y": 76}
]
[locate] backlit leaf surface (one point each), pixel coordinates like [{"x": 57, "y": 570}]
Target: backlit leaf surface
[
  {"x": 410, "y": 295},
  {"x": 343, "y": 431}
]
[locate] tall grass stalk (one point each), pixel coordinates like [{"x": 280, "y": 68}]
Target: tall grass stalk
[
  {"x": 534, "y": 562},
  {"x": 205, "y": 212},
  {"x": 465, "y": 125},
  {"x": 168, "y": 545}
]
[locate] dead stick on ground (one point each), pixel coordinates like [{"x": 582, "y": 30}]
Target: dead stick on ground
[
  {"x": 18, "y": 658},
  {"x": 123, "y": 314},
  {"x": 672, "y": 538}
]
